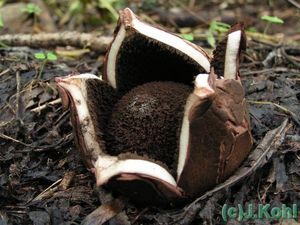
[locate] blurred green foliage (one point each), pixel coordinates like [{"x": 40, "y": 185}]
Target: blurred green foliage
[
  {"x": 1, "y": 22},
  {"x": 216, "y": 28},
  {"x": 87, "y": 12},
  {"x": 189, "y": 37},
  {"x": 111, "y": 6},
  {"x": 270, "y": 20},
  {"x": 32, "y": 8},
  {"x": 45, "y": 56}
]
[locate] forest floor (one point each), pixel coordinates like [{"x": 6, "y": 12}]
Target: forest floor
[{"x": 42, "y": 178}]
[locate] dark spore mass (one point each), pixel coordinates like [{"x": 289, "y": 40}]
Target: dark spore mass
[
  {"x": 142, "y": 59},
  {"x": 101, "y": 100},
  {"x": 219, "y": 58},
  {"x": 147, "y": 121}
]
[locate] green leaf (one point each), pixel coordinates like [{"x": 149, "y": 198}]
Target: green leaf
[
  {"x": 252, "y": 29},
  {"x": 1, "y": 22},
  {"x": 189, "y": 37},
  {"x": 120, "y": 4},
  {"x": 51, "y": 56},
  {"x": 108, "y": 5},
  {"x": 32, "y": 8},
  {"x": 272, "y": 19},
  {"x": 76, "y": 7},
  {"x": 211, "y": 39},
  {"x": 40, "y": 55},
  {"x": 219, "y": 26}
]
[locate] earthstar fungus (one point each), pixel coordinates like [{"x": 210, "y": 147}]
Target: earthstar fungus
[{"x": 166, "y": 122}]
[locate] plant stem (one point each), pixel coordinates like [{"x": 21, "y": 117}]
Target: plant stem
[
  {"x": 267, "y": 28},
  {"x": 34, "y": 21},
  {"x": 41, "y": 70}
]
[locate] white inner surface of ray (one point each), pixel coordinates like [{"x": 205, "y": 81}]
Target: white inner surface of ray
[
  {"x": 172, "y": 41},
  {"x": 109, "y": 166},
  {"x": 78, "y": 92},
  {"x": 232, "y": 48},
  {"x": 112, "y": 56},
  {"x": 201, "y": 81},
  {"x": 84, "y": 76},
  {"x": 184, "y": 135}
]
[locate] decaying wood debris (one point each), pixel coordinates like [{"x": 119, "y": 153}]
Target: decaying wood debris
[{"x": 68, "y": 38}]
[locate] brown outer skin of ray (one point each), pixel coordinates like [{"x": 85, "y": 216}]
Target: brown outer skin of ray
[
  {"x": 125, "y": 18},
  {"x": 146, "y": 189},
  {"x": 214, "y": 154},
  {"x": 219, "y": 139}
]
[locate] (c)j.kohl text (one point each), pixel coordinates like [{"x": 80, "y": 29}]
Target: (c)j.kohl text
[{"x": 259, "y": 211}]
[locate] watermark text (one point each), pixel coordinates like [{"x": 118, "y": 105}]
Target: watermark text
[{"x": 261, "y": 211}]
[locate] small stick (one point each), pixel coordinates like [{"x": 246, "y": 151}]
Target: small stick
[
  {"x": 45, "y": 192},
  {"x": 4, "y": 71},
  {"x": 67, "y": 38},
  {"x": 246, "y": 72},
  {"x": 3, "y": 136},
  {"x": 4, "y": 123},
  {"x": 294, "y": 3},
  {"x": 18, "y": 81},
  {"x": 285, "y": 110},
  {"x": 44, "y": 106}
]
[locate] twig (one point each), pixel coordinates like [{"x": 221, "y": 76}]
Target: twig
[
  {"x": 285, "y": 110},
  {"x": 60, "y": 184},
  {"x": 271, "y": 40},
  {"x": 294, "y": 3},
  {"x": 8, "y": 105},
  {"x": 4, "y": 71},
  {"x": 38, "y": 148},
  {"x": 45, "y": 192},
  {"x": 105, "y": 212},
  {"x": 4, "y": 123},
  {"x": 3, "y": 136},
  {"x": 41, "y": 70},
  {"x": 56, "y": 145},
  {"x": 246, "y": 72},
  {"x": 44, "y": 106},
  {"x": 61, "y": 120},
  {"x": 270, "y": 103},
  {"x": 291, "y": 59},
  {"x": 72, "y": 38},
  {"x": 18, "y": 81}
]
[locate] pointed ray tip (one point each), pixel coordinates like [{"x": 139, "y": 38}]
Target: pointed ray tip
[
  {"x": 202, "y": 86},
  {"x": 127, "y": 15}
]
